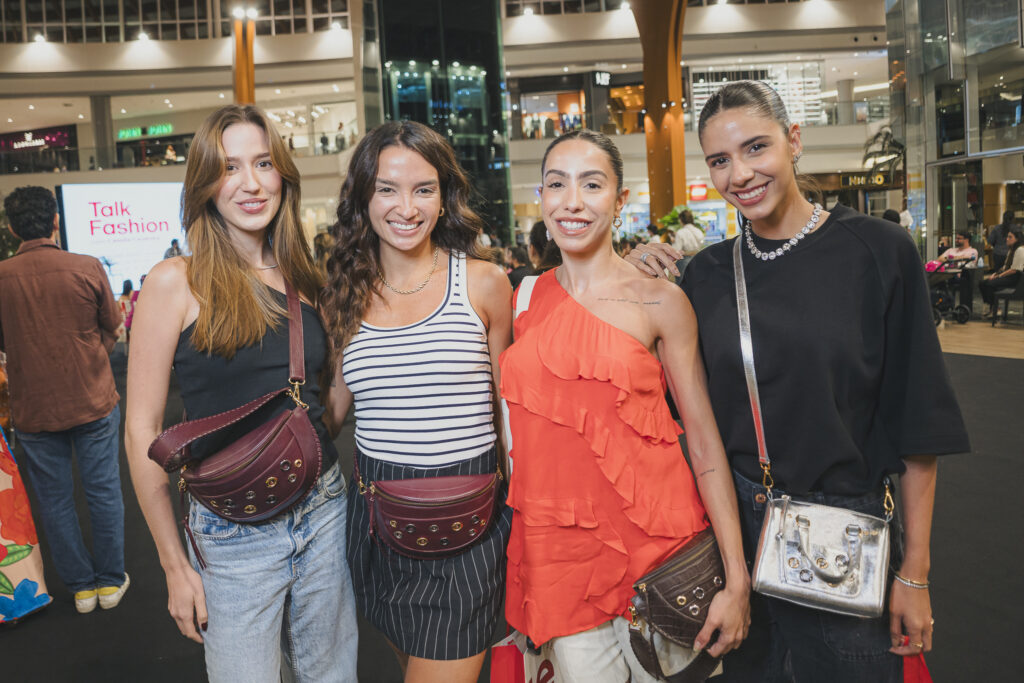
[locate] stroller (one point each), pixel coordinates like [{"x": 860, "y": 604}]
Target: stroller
[{"x": 944, "y": 285}]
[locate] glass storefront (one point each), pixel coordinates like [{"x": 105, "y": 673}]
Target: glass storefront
[{"x": 43, "y": 150}]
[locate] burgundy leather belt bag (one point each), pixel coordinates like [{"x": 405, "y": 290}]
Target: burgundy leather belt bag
[
  {"x": 431, "y": 518},
  {"x": 262, "y": 473}
]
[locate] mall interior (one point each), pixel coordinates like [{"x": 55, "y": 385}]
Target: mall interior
[{"x": 911, "y": 105}]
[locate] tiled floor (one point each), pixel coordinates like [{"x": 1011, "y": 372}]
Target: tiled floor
[{"x": 979, "y": 338}]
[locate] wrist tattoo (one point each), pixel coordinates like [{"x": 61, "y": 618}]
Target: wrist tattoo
[{"x": 708, "y": 471}]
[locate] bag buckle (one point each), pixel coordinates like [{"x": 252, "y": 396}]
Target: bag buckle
[
  {"x": 296, "y": 395},
  {"x": 634, "y": 618},
  {"x": 766, "y": 479},
  {"x": 888, "y": 504}
]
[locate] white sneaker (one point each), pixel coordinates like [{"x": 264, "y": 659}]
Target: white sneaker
[
  {"x": 85, "y": 601},
  {"x": 110, "y": 596}
]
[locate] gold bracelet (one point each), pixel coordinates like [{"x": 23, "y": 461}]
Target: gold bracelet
[{"x": 920, "y": 585}]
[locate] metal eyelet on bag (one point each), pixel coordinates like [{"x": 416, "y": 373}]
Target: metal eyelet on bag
[
  {"x": 213, "y": 503},
  {"x": 475, "y": 519},
  {"x": 717, "y": 581},
  {"x": 228, "y": 503},
  {"x": 297, "y": 463},
  {"x": 410, "y": 529},
  {"x": 681, "y": 600},
  {"x": 271, "y": 482},
  {"x": 456, "y": 526},
  {"x": 249, "y": 495},
  {"x": 249, "y": 509},
  {"x": 698, "y": 593},
  {"x": 271, "y": 500},
  {"x": 398, "y": 534},
  {"x": 285, "y": 465},
  {"x": 822, "y": 563},
  {"x": 434, "y": 528},
  {"x": 793, "y": 563},
  {"x": 694, "y": 610},
  {"x": 445, "y": 542},
  {"x": 393, "y": 524},
  {"x": 842, "y": 561},
  {"x": 806, "y": 576},
  {"x": 472, "y": 532},
  {"x": 421, "y": 541},
  {"x": 292, "y": 478}
]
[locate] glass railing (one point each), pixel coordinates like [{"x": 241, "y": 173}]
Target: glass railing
[{"x": 141, "y": 154}]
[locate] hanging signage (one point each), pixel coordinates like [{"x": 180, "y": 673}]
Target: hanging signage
[
  {"x": 602, "y": 78},
  {"x": 42, "y": 138},
  {"x": 698, "y": 192},
  {"x": 145, "y": 131}
]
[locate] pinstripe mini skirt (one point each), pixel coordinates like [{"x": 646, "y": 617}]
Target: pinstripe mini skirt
[{"x": 433, "y": 609}]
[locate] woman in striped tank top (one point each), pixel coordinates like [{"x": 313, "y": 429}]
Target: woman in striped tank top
[{"x": 417, "y": 321}]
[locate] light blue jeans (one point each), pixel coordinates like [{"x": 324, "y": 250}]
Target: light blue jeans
[{"x": 279, "y": 588}]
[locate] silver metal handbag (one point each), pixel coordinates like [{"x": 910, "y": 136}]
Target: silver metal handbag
[{"x": 818, "y": 556}]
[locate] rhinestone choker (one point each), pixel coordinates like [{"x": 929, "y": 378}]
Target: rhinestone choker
[{"x": 790, "y": 243}]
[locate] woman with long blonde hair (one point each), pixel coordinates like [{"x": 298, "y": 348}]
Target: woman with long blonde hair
[
  {"x": 280, "y": 589},
  {"x": 418, "y": 320}
]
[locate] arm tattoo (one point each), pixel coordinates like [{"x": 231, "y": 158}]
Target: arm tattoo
[
  {"x": 709, "y": 471},
  {"x": 632, "y": 301}
]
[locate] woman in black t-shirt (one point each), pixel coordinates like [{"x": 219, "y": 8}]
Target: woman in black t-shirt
[{"x": 850, "y": 375}]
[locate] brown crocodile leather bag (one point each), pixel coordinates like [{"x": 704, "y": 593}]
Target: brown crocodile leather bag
[{"x": 262, "y": 473}]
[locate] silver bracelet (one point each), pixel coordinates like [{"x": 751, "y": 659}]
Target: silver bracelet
[{"x": 910, "y": 583}]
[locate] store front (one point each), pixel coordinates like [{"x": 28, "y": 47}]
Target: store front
[
  {"x": 155, "y": 144},
  {"x": 43, "y": 150}
]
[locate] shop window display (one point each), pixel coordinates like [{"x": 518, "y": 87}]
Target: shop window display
[{"x": 548, "y": 115}]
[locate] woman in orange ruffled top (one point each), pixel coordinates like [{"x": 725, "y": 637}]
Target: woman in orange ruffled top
[{"x": 601, "y": 491}]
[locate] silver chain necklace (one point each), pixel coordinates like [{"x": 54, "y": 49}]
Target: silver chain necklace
[
  {"x": 790, "y": 243},
  {"x": 380, "y": 274}
]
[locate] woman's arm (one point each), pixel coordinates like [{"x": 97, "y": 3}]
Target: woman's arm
[
  {"x": 676, "y": 329},
  {"x": 490, "y": 294},
  {"x": 338, "y": 400},
  {"x": 910, "y": 609},
  {"x": 158, "y": 319}
]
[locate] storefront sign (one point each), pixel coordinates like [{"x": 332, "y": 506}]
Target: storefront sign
[
  {"x": 602, "y": 78},
  {"x": 862, "y": 180},
  {"x": 145, "y": 131},
  {"x": 698, "y": 192},
  {"x": 43, "y": 138}
]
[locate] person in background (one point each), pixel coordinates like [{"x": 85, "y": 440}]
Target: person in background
[
  {"x": 172, "y": 251},
  {"x": 544, "y": 253},
  {"x": 1008, "y": 275},
  {"x": 520, "y": 263},
  {"x": 851, "y": 378},
  {"x": 962, "y": 251},
  {"x": 275, "y": 594},
  {"x": 125, "y": 303},
  {"x": 58, "y": 324},
  {"x": 652, "y": 233},
  {"x": 997, "y": 240},
  {"x": 689, "y": 238},
  {"x": 891, "y": 215}
]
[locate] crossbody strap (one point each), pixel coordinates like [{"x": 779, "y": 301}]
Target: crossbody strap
[
  {"x": 167, "y": 447},
  {"x": 747, "y": 351},
  {"x": 525, "y": 292}
]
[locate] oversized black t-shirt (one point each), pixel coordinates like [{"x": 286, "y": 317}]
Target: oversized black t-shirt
[{"x": 848, "y": 363}]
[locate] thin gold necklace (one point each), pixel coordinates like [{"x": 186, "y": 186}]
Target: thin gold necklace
[{"x": 380, "y": 274}]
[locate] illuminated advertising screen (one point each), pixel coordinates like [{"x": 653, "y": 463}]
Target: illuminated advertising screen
[{"x": 127, "y": 226}]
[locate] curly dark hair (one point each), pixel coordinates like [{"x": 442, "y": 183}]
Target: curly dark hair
[
  {"x": 30, "y": 211},
  {"x": 354, "y": 263}
]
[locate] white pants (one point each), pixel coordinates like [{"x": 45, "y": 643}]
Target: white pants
[{"x": 603, "y": 655}]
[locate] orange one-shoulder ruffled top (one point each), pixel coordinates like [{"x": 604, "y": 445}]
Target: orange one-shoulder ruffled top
[{"x": 600, "y": 489}]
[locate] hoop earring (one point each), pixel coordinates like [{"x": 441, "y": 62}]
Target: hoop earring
[
  {"x": 796, "y": 158},
  {"x": 617, "y": 223},
  {"x": 441, "y": 212},
  {"x": 548, "y": 233}
]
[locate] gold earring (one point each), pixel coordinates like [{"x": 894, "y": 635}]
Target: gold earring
[
  {"x": 617, "y": 223},
  {"x": 441, "y": 212}
]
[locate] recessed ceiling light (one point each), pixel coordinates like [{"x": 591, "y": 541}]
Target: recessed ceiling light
[
  {"x": 167, "y": 101},
  {"x": 170, "y": 106},
  {"x": 565, "y": 69},
  {"x": 251, "y": 13},
  {"x": 335, "y": 25},
  {"x": 528, "y": 12},
  {"x": 143, "y": 35},
  {"x": 335, "y": 88},
  {"x": 238, "y": 13},
  {"x": 81, "y": 116},
  {"x": 623, "y": 66},
  {"x": 31, "y": 106},
  {"x": 221, "y": 96},
  {"x": 123, "y": 110},
  {"x": 277, "y": 91}
]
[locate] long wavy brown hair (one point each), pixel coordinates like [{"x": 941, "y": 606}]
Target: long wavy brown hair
[
  {"x": 354, "y": 264},
  {"x": 235, "y": 306}
]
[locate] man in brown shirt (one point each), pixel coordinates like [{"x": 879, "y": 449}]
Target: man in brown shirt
[{"x": 58, "y": 323}]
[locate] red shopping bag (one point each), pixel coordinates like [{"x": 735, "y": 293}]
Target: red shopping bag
[
  {"x": 507, "y": 662},
  {"x": 915, "y": 670}
]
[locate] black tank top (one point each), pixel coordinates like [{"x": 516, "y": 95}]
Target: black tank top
[{"x": 211, "y": 384}]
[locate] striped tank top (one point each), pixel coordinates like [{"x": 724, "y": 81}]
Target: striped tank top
[{"x": 423, "y": 393}]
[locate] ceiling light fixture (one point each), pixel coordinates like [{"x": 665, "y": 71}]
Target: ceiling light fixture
[
  {"x": 123, "y": 110},
  {"x": 31, "y": 106},
  {"x": 81, "y": 116},
  {"x": 528, "y": 12},
  {"x": 252, "y": 13},
  {"x": 238, "y": 13},
  {"x": 143, "y": 35},
  {"x": 40, "y": 38}
]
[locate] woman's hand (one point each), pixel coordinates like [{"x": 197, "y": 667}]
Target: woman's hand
[
  {"x": 910, "y": 614},
  {"x": 652, "y": 259},
  {"x": 186, "y": 602},
  {"x": 729, "y": 614}
]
